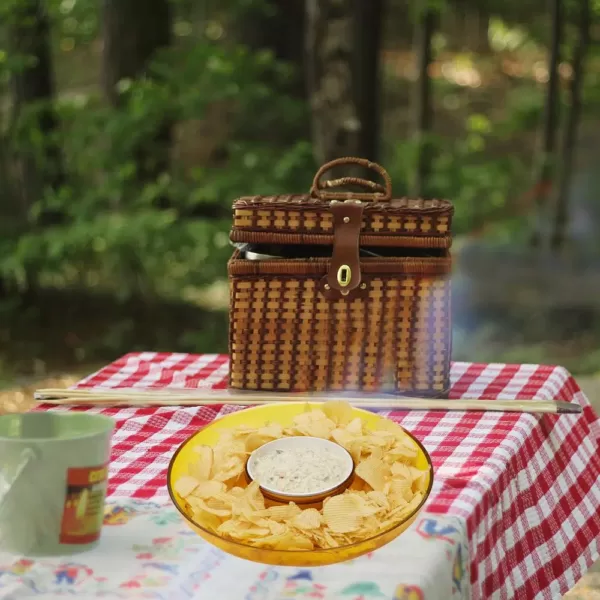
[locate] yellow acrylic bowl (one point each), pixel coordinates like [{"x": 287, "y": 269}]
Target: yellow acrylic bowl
[{"x": 282, "y": 413}]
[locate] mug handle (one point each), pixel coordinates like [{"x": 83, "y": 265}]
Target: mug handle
[{"x": 27, "y": 456}]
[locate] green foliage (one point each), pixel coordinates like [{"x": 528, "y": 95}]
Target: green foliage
[
  {"x": 115, "y": 236},
  {"x": 418, "y": 10},
  {"x": 481, "y": 190},
  {"x": 506, "y": 38},
  {"x": 76, "y": 22},
  {"x": 523, "y": 108}
]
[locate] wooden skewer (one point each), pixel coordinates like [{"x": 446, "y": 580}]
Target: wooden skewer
[{"x": 196, "y": 397}]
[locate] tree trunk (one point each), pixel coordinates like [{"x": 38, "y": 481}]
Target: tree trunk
[
  {"x": 134, "y": 30},
  {"x": 367, "y": 89},
  {"x": 334, "y": 109},
  {"x": 423, "y": 104},
  {"x": 545, "y": 162},
  {"x": 33, "y": 87},
  {"x": 561, "y": 195},
  {"x": 280, "y": 29},
  {"x": 479, "y": 20}
]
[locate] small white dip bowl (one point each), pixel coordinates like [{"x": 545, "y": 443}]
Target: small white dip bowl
[{"x": 305, "y": 442}]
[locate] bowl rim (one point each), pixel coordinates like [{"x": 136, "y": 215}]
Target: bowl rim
[
  {"x": 303, "y": 495},
  {"x": 233, "y": 543}
]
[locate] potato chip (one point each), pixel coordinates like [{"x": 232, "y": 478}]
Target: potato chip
[
  {"x": 374, "y": 472},
  {"x": 185, "y": 485},
  {"x": 341, "y": 514},
  {"x": 241, "y": 481},
  {"x": 273, "y": 430},
  {"x": 401, "y": 489},
  {"x": 355, "y": 451},
  {"x": 241, "y": 432},
  {"x": 342, "y": 437},
  {"x": 314, "y": 423},
  {"x": 257, "y": 438},
  {"x": 280, "y": 513},
  {"x": 365, "y": 506},
  {"x": 309, "y": 518},
  {"x": 215, "y": 506},
  {"x": 403, "y": 511},
  {"x": 206, "y": 519},
  {"x": 365, "y": 446},
  {"x": 287, "y": 541},
  {"x": 241, "y": 530},
  {"x": 255, "y": 441},
  {"x": 330, "y": 541},
  {"x": 370, "y": 526},
  {"x": 420, "y": 479},
  {"x": 386, "y": 489},
  {"x": 254, "y": 497},
  {"x": 355, "y": 427},
  {"x": 339, "y": 412},
  {"x": 230, "y": 468},
  {"x": 378, "y": 454},
  {"x": 379, "y": 499},
  {"x": 401, "y": 470},
  {"x": 391, "y": 426},
  {"x": 208, "y": 489},
  {"x": 225, "y": 450},
  {"x": 358, "y": 485},
  {"x": 202, "y": 468},
  {"x": 371, "y": 441}
]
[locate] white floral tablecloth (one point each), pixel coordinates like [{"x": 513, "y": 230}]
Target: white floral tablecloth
[{"x": 147, "y": 551}]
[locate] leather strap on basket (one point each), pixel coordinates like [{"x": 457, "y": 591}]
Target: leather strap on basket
[
  {"x": 344, "y": 271},
  {"x": 381, "y": 193}
]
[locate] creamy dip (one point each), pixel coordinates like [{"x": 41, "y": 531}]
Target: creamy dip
[{"x": 299, "y": 470}]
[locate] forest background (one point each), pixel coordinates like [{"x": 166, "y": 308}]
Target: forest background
[{"x": 128, "y": 127}]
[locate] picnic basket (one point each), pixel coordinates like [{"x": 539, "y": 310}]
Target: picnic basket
[{"x": 350, "y": 292}]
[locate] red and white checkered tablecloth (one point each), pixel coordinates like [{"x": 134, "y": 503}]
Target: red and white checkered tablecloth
[{"x": 527, "y": 486}]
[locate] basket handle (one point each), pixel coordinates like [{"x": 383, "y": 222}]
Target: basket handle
[{"x": 382, "y": 193}]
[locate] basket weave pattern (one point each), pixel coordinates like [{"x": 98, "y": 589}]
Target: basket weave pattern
[
  {"x": 298, "y": 214},
  {"x": 285, "y": 335}
]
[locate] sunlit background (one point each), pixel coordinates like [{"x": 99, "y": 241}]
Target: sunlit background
[{"x": 128, "y": 127}]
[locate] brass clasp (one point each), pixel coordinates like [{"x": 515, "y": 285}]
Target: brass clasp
[{"x": 344, "y": 275}]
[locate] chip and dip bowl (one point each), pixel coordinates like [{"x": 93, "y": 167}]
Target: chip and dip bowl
[
  {"x": 284, "y": 414},
  {"x": 303, "y": 443}
]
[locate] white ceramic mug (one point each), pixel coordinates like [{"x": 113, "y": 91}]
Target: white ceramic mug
[{"x": 53, "y": 480}]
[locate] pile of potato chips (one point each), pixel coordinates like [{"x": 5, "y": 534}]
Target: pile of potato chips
[{"x": 386, "y": 489}]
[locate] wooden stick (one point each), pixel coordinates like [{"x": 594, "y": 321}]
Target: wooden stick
[{"x": 196, "y": 397}]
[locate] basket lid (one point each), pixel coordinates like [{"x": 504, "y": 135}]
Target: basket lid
[{"x": 309, "y": 219}]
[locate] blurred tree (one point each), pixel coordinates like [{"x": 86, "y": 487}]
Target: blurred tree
[
  {"x": 542, "y": 175},
  {"x": 278, "y": 26},
  {"x": 560, "y": 196},
  {"x": 467, "y": 26},
  {"x": 274, "y": 32},
  {"x": 427, "y": 18},
  {"x": 40, "y": 160},
  {"x": 368, "y": 32},
  {"x": 335, "y": 120},
  {"x": 134, "y": 31},
  {"x": 343, "y": 123}
]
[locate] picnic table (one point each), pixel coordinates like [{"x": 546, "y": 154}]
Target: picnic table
[{"x": 514, "y": 511}]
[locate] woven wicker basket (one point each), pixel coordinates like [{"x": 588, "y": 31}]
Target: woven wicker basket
[{"x": 340, "y": 320}]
